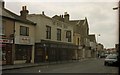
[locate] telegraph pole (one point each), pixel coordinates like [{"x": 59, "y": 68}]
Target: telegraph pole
[{"x": 118, "y": 8}]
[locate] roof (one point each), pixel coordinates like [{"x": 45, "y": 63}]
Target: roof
[
  {"x": 77, "y": 22},
  {"x": 40, "y": 15},
  {"x": 8, "y": 14},
  {"x": 47, "y": 17},
  {"x": 92, "y": 37},
  {"x": 56, "y": 16}
]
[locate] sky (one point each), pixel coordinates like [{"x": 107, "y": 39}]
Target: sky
[{"x": 102, "y": 19}]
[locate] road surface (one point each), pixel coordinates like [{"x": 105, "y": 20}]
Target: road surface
[{"x": 85, "y": 66}]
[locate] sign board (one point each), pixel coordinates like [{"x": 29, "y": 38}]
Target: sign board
[
  {"x": 6, "y": 41},
  {"x": 25, "y": 40}
]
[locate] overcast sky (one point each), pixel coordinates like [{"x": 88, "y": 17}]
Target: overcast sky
[{"x": 101, "y": 17}]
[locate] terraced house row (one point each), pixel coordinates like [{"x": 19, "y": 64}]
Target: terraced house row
[{"x": 34, "y": 38}]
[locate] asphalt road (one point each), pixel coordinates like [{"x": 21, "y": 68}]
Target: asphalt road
[{"x": 86, "y": 66}]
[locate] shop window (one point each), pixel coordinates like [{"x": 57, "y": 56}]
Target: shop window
[
  {"x": 21, "y": 53},
  {"x": 3, "y": 54},
  {"x": 24, "y": 31}
]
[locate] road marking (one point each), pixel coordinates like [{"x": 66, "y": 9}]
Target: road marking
[{"x": 39, "y": 71}]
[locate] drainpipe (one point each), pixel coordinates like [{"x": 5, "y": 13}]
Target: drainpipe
[{"x": 13, "y": 45}]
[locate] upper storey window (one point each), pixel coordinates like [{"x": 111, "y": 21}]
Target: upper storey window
[{"x": 24, "y": 31}]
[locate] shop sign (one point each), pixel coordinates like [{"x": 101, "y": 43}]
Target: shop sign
[
  {"x": 5, "y": 41},
  {"x": 25, "y": 40}
]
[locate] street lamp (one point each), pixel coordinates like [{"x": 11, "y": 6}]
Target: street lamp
[
  {"x": 97, "y": 37},
  {"x": 118, "y": 8}
]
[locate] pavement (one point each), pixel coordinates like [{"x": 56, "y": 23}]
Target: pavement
[{"x": 26, "y": 65}]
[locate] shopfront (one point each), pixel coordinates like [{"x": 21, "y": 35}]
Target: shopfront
[
  {"x": 6, "y": 54},
  {"x": 49, "y": 51},
  {"x": 23, "y": 54},
  {"x": 6, "y": 51}
]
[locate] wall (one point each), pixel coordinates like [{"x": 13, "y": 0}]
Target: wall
[
  {"x": 75, "y": 39},
  {"x": 18, "y": 38},
  {"x": 8, "y": 26},
  {"x": 40, "y": 29}
]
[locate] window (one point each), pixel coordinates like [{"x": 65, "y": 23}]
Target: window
[
  {"x": 24, "y": 31},
  {"x": 68, "y": 35},
  {"x": 48, "y": 32},
  {"x": 59, "y": 34},
  {"x": 22, "y": 52},
  {"x": 3, "y": 27}
]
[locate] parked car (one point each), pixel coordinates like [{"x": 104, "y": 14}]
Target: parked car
[
  {"x": 106, "y": 54},
  {"x": 111, "y": 59}
]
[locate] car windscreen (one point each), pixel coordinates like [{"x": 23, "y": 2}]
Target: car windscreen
[{"x": 111, "y": 56}]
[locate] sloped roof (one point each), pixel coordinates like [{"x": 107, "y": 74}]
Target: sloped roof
[
  {"x": 40, "y": 15},
  {"x": 55, "y": 16},
  {"x": 8, "y": 14},
  {"x": 77, "y": 22},
  {"x": 60, "y": 18}
]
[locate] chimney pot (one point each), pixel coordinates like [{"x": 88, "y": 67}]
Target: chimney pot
[
  {"x": 25, "y": 7},
  {"x": 22, "y": 7},
  {"x": 65, "y": 13},
  {"x": 43, "y": 13},
  {"x": 62, "y": 16}
]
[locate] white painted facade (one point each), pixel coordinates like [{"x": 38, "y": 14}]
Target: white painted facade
[
  {"x": 25, "y": 40},
  {"x": 43, "y": 21}
]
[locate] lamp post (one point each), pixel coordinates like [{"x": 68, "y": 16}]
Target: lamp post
[{"x": 118, "y": 8}]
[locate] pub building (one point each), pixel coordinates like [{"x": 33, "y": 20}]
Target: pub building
[
  {"x": 53, "y": 38},
  {"x": 49, "y": 51}
]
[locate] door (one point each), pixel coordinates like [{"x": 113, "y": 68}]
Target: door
[{"x": 8, "y": 54}]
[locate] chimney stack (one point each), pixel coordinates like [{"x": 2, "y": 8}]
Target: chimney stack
[
  {"x": 62, "y": 16},
  {"x": 2, "y": 4},
  {"x": 24, "y": 12},
  {"x": 66, "y": 17}
]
